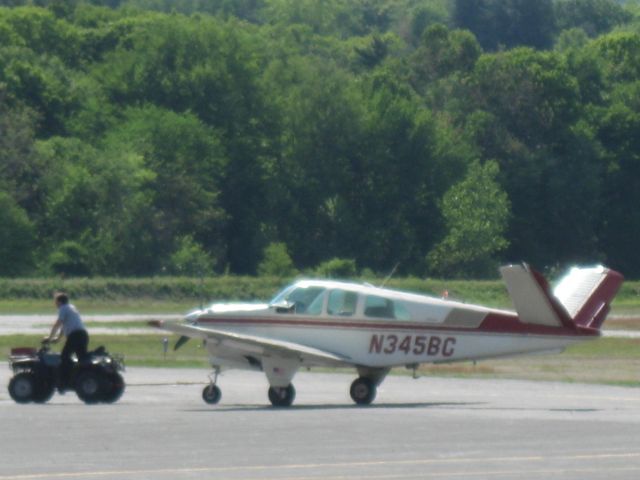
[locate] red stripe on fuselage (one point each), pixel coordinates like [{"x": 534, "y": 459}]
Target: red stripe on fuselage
[{"x": 493, "y": 323}]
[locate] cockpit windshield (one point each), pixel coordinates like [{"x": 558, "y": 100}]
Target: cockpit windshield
[{"x": 305, "y": 300}]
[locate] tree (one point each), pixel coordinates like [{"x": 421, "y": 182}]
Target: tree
[
  {"x": 507, "y": 23},
  {"x": 620, "y": 56},
  {"x": 276, "y": 261},
  {"x": 620, "y": 230},
  {"x": 337, "y": 268},
  {"x": 17, "y": 238},
  {"x": 70, "y": 259},
  {"x": 476, "y": 213},
  {"x": 190, "y": 259},
  {"x": 19, "y": 170},
  {"x": 441, "y": 53},
  {"x": 40, "y": 82},
  {"x": 209, "y": 69},
  {"x": 594, "y": 17},
  {"x": 182, "y": 168},
  {"x": 532, "y": 93}
]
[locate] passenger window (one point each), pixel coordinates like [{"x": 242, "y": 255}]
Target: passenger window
[
  {"x": 342, "y": 303},
  {"x": 378, "y": 307},
  {"x": 401, "y": 312}
]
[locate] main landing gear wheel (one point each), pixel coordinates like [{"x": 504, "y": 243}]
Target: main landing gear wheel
[
  {"x": 363, "y": 391},
  {"x": 282, "y": 396},
  {"x": 211, "y": 394}
]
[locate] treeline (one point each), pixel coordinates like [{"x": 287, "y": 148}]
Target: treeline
[
  {"x": 223, "y": 288},
  {"x": 144, "y": 137}
]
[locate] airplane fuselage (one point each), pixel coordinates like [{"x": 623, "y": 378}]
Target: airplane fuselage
[{"x": 440, "y": 331}]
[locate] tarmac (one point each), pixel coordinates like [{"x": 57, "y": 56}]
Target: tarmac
[{"x": 429, "y": 428}]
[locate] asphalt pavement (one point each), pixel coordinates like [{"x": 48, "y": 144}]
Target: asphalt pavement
[{"x": 416, "y": 429}]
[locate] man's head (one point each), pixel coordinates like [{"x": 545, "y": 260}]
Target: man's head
[{"x": 61, "y": 298}]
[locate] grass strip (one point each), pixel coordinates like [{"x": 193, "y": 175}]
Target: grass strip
[{"x": 612, "y": 361}]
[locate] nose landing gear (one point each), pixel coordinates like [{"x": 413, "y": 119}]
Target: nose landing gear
[{"x": 212, "y": 393}]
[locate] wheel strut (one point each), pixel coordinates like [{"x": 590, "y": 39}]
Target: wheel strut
[{"x": 212, "y": 393}]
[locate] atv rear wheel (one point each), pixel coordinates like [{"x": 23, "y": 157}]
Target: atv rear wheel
[
  {"x": 114, "y": 388},
  {"x": 90, "y": 387}
]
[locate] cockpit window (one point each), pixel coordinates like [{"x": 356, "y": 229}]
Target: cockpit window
[
  {"x": 342, "y": 303},
  {"x": 304, "y": 300}
]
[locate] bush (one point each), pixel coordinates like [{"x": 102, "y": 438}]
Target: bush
[
  {"x": 70, "y": 258},
  {"x": 337, "y": 268},
  {"x": 276, "y": 261},
  {"x": 190, "y": 259}
]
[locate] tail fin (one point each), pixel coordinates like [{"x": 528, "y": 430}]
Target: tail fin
[
  {"x": 581, "y": 298},
  {"x": 587, "y": 292}
]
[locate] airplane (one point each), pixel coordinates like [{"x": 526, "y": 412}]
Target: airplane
[{"x": 326, "y": 323}]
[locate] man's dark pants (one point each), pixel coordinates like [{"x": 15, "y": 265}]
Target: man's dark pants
[{"x": 77, "y": 343}]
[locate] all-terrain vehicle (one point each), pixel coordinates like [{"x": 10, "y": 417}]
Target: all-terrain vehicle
[{"x": 95, "y": 378}]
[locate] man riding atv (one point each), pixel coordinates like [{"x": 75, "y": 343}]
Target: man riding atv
[
  {"x": 70, "y": 325},
  {"x": 93, "y": 375}
]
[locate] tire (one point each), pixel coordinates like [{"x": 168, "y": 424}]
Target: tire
[
  {"x": 90, "y": 386},
  {"x": 363, "y": 391},
  {"x": 211, "y": 394},
  {"x": 114, "y": 388},
  {"x": 282, "y": 396},
  {"x": 22, "y": 387}
]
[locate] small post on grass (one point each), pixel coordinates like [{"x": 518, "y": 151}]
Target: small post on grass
[{"x": 165, "y": 346}]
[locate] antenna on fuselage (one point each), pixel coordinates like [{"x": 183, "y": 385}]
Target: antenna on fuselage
[
  {"x": 393, "y": 270},
  {"x": 201, "y": 288}
]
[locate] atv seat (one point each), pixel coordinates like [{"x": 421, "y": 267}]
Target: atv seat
[{"x": 98, "y": 351}]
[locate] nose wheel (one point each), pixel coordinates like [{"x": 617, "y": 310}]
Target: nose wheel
[{"x": 212, "y": 393}]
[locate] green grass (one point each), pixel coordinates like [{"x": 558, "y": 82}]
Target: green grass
[
  {"x": 613, "y": 361},
  {"x": 610, "y": 361},
  {"x": 138, "y": 349}
]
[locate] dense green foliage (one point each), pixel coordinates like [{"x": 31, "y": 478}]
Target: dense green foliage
[
  {"x": 191, "y": 137},
  {"x": 178, "y": 294}
]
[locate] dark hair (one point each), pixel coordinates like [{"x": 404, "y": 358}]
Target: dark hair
[{"x": 61, "y": 298}]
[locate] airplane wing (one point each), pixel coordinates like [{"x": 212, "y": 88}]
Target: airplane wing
[{"x": 254, "y": 345}]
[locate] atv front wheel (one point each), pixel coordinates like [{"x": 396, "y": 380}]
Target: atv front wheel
[{"x": 22, "y": 387}]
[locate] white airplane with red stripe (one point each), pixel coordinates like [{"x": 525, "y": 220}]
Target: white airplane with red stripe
[{"x": 323, "y": 323}]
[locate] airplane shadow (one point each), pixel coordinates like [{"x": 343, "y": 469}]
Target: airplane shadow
[{"x": 300, "y": 408}]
